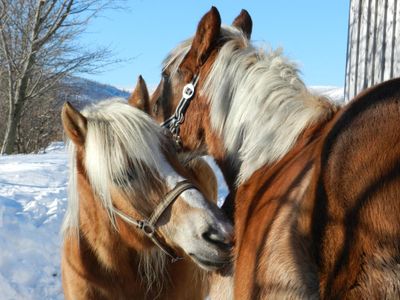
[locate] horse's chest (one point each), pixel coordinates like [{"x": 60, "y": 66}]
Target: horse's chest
[{"x": 273, "y": 250}]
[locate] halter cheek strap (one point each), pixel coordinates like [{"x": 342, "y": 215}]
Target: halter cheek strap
[
  {"x": 173, "y": 123},
  {"x": 148, "y": 227}
]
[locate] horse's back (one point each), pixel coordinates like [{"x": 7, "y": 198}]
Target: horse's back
[{"x": 357, "y": 215}]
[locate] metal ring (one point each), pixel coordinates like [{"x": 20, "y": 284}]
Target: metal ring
[
  {"x": 188, "y": 91},
  {"x": 147, "y": 228}
]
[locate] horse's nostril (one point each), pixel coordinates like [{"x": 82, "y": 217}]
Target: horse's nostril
[{"x": 218, "y": 239}]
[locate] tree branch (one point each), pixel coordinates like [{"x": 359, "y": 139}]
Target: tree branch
[{"x": 60, "y": 18}]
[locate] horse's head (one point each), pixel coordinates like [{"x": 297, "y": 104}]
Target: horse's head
[
  {"x": 223, "y": 96},
  {"x": 190, "y": 63},
  {"x": 123, "y": 162},
  {"x": 199, "y": 168}
]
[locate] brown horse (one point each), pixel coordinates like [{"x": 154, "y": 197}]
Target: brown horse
[
  {"x": 315, "y": 188},
  {"x": 132, "y": 205}
]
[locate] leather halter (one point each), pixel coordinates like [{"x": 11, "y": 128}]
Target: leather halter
[
  {"x": 173, "y": 123},
  {"x": 148, "y": 226}
]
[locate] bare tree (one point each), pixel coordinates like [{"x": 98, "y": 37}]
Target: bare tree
[{"x": 38, "y": 48}]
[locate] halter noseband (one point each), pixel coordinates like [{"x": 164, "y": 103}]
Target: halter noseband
[
  {"x": 148, "y": 226},
  {"x": 173, "y": 123}
]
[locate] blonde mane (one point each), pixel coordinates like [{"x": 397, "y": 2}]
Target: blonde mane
[
  {"x": 119, "y": 139},
  {"x": 259, "y": 105}
]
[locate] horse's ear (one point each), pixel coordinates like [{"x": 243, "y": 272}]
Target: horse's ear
[
  {"x": 75, "y": 124},
  {"x": 140, "y": 96},
  {"x": 204, "y": 41},
  {"x": 244, "y": 23}
]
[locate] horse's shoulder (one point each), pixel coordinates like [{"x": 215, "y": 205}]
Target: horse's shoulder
[{"x": 268, "y": 211}]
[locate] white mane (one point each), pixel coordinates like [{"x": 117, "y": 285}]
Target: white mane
[
  {"x": 259, "y": 105},
  {"x": 119, "y": 139}
]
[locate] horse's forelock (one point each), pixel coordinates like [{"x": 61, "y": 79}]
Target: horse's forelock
[{"x": 176, "y": 56}]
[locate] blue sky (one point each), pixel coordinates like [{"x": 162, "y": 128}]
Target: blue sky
[{"x": 313, "y": 33}]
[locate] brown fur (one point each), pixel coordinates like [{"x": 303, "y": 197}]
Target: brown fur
[
  {"x": 101, "y": 263},
  {"x": 140, "y": 96},
  {"x": 203, "y": 43},
  {"x": 323, "y": 222},
  {"x": 244, "y": 23}
]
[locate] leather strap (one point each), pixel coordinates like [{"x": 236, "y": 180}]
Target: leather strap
[{"x": 148, "y": 227}]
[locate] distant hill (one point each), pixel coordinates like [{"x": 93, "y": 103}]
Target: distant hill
[
  {"x": 81, "y": 91},
  {"x": 42, "y": 124}
]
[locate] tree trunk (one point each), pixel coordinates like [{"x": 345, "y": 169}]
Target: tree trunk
[
  {"x": 37, "y": 40},
  {"x": 13, "y": 119},
  {"x": 16, "y": 106}
]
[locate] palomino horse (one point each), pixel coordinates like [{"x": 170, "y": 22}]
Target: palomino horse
[
  {"x": 132, "y": 205},
  {"x": 315, "y": 187}
]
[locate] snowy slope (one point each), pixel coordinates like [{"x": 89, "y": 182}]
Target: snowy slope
[
  {"x": 32, "y": 204},
  {"x": 89, "y": 91}
]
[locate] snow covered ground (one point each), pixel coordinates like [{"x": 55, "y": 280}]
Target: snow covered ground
[
  {"x": 33, "y": 199},
  {"x": 32, "y": 204}
]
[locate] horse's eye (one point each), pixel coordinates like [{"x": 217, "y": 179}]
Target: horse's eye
[
  {"x": 179, "y": 73},
  {"x": 165, "y": 76},
  {"x": 131, "y": 175},
  {"x": 124, "y": 180}
]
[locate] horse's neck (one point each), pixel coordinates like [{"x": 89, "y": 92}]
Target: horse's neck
[
  {"x": 136, "y": 276},
  {"x": 123, "y": 271},
  {"x": 104, "y": 242},
  {"x": 257, "y": 112},
  {"x": 299, "y": 160},
  {"x": 84, "y": 273},
  {"x": 231, "y": 164},
  {"x": 107, "y": 252},
  {"x": 252, "y": 144}
]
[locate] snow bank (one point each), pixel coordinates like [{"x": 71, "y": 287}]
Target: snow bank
[{"x": 32, "y": 204}]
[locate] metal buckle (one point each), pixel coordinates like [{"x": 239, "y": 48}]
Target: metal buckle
[
  {"x": 188, "y": 91},
  {"x": 174, "y": 122}
]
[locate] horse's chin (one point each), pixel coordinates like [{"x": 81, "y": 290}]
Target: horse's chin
[{"x": 210, "y": 264}]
